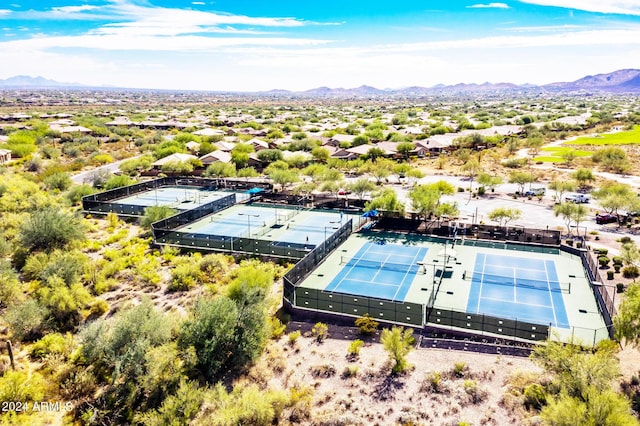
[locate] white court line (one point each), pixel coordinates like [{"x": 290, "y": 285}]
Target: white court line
[
  {"x": 555, "y": 320},
  {"x": 518, "y": 303},
  {"x": 413, "y": 261}
]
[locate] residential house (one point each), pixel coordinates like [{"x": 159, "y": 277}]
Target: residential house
[
  {"x": 215, "y": 157},
  {"x": 258, "y": 144},
  {"x": 177, "y": 157},
  {"x": 5, "y": 156}
]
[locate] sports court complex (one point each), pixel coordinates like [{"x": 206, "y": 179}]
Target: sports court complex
[
  {"x": 515, "y": 291},
  {"x": 346, "y": 267}
]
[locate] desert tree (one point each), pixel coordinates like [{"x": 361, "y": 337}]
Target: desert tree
[
  {"x": 504, "y": 215},
  {"x": 561, "y": 187},
  {"x": 583, "y": 176},
  {"x": 361, "y": 186},
  {"x": 398, "y": 342},
  {"x": 571, "y": 213},
  {"x": 387, "y": 202}
]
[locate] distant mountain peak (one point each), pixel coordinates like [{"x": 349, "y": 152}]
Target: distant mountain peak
[
  {"x": 620, "y": 81},
  {"x": 28, "y": 81}
]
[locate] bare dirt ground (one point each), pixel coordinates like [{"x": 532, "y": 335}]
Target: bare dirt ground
[{"x": 363, "y": 391}]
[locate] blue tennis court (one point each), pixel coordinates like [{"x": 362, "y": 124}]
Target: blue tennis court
[
  {"x": 524, "y": 288},
  {"x": 250, "y": 220},
  {"x": 382, "y": 271}
]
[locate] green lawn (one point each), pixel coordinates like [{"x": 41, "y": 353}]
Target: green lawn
[
  {"x": 555, "y": 154},
  {"x": 549, "y": 159},
  {"x": 620, "y": 138}
]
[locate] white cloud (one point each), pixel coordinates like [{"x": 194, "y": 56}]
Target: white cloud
[
  {"x": 4, "y": 12},
  {"x": 489, "y": 6},
  {"x": 543, "y": 29},
  {"x": 625, "y": 7},
  {"x": 199, "y": 3},
  {"x": 124, "y": 42},
  {"x": 72, "y": 9}
]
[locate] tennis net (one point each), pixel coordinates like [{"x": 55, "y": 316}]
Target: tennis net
[
  {"x": 374, "y": 264},
  {"x": 509, "y": 281},
  {"x": 311, "y": 228},
  {"x": 234, "y": 222}
]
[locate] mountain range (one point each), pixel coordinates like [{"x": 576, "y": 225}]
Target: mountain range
[{"x": 621, "y": 81}]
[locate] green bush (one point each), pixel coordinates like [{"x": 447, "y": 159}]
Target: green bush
[
  {"x": 76, "y": 193},
  {"x": 459, "y": 369},
  {"x": 603, "y": 261},
  {"x": 184, "y": 277},
  {"x": 367, "y": 324},
  {"x": 630, "y": 271},
  {"x": 60, "y": 181},
  {"x": 54, "y": 343},
  {"x": 619, "y": 287},
  {"x": 320, "y": 331},
  {"x": 609, "y": 275},
  {"x": 617, "y": 260},
  {"x": 354, "y": 348},
  {"x": 50, "y": 228},
  {"x": 294, "y": 336},
  {"x": 535, "y": 396}
]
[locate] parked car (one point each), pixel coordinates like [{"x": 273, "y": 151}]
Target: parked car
[
  {"x": 344, "y": 192},
  {"x": 577, "y": 198},
  {"x": 606, "y": 218},
  {"x": 534, "y": 192}
]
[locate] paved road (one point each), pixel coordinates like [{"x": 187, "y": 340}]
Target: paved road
[{"x": 86, "y": 176}]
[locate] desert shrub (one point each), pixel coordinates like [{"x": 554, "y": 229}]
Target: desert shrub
[
  {"x": 21, "y": 386},
  {"x": 350, "y": 371},
  {"x": 514, "y": 163},
  {"x": 277, "y": 328},
  {"x": 118, "y": 182},
  {"x": 320, "y": 332},
  {"x": 354, "y": 348},
  {"x": 460, "y": 369},
  {"x": 226, "y": 333},
  {"x": 102, "y": 159},
  {"x": 49, "y": 228},
  {"x": 535, "y": 396},
  {"x": 27, "y": 320},
  {"x": 54, "y": 343},
  {"x": 619, "y": 287},
  {"x": 434, "y": 382},
  {"x": 367, "y": 324},
  {"x": 155, "y": 213},
  {"x": 476, "y": 393},
  {"x": 294, "y": 336},
  {"x": 60, "y": 181},
  {"x": 10, "y": 287},
  {"x": 610, "y": 275},
  {"x": 178, "y": 408},
  {"x": 184, "y": 277},
  {"x": 630, "y": 271},
  {"x": 602, "y": 251},
  {"x": 617, "y": 260},
  {"x": 323, "y": 371},
  {"x": 76, "y": 193}
]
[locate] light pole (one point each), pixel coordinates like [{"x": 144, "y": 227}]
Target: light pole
[{"x": 249, "y": 216}]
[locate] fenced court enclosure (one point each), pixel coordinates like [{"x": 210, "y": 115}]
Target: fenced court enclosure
[
  {"x": 523, "y": 292},
  {"x": 268, "y": 231},
  {"x": 178, "y": 194},
  {"x": 516, "y": 284}
]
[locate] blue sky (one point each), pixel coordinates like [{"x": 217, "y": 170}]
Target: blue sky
[{"x": 252, "y": 45}]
